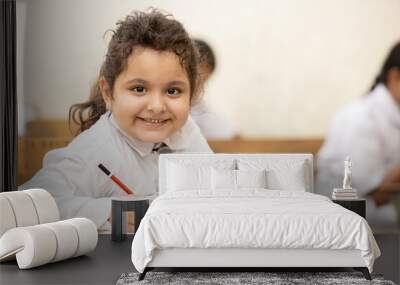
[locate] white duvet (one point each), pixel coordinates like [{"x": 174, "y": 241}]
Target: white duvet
[{"x": 251, "y": 218}]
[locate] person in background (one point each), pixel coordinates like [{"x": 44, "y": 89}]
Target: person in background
[
  {"x": 369, "y": 132},
  {"x": 212, "y": 125},
  {"x": 139, "y": 106}
]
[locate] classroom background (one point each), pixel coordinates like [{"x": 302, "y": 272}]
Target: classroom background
[{"x": 284, "y": 67}]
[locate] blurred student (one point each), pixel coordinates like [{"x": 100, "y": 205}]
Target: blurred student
[
  {"x": 212, "y": 125},
  {"x": 139, "y": 106},
  {"x": 369, "y": 131}
]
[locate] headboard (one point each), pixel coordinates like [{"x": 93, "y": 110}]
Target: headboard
[{"x": 212, "y": 159}]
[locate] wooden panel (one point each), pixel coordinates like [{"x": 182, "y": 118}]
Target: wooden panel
[
  {"x": 266, "y": 145},
  {"x": 32, "y": 151},
  {"x": 21, "y": 177},
  {"x": 50, "y": 128}
]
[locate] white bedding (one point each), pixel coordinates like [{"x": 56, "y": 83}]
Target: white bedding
[{"x": 250, "y": 218}]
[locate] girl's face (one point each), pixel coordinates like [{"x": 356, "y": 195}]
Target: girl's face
[{"x": 151, "y": 97}]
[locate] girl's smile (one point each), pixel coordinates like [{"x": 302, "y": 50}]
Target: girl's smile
[{"x": 154, "y": 123}]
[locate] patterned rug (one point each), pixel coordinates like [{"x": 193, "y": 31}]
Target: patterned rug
[{"x": 270, "y": 278}]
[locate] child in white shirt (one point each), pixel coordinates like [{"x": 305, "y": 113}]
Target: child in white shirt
[
  {"x": 141, "y": 99},
  {"x": 369, "y": 131}
]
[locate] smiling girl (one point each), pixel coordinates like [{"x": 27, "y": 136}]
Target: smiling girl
[{"x": 140, "y": 103}]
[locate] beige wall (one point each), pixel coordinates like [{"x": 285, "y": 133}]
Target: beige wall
[{"x": 284, "y": 67}]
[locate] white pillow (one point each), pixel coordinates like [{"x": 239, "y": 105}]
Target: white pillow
[
  {"x": 251, "y": 178},
  {"x": 293, "y": 179},
  {"x": 185, "y": 174},
  {"x": 188, "y": 177},
  {"x": 236, "y": 179},
  {"x": 223, "y": 179},
  {"x": 281, "y": 174}
]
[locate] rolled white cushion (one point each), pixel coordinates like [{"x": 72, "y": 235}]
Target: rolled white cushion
[
  {"x": 26, "y": 208},
  {"x": 33, "y": 246},
  {"x": 87, "y": 234},
  {"x": 67, "y": 240},
  {"x": 45, "y": 205},
  {"x": 7, "y": 218},
  {"x": 40, "y": 244},
  {"x": 23, "y": 208}
]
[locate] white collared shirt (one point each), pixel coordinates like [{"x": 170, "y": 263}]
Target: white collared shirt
[
  {"x": 369, "y": 132},
  {"x": 81, "y": 189}
]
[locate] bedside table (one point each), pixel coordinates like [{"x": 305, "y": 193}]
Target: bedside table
[
  {"x": 120, "y": 207},
  {"x": 357, "y": 205}
]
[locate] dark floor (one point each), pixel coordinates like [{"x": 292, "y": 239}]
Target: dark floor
[{"x": 389, "y": 262}]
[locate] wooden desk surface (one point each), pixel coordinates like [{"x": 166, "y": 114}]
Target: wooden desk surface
[{"x": 104, "y": 265}]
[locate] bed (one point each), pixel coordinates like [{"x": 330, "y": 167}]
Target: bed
[{"x": 245, "y": 211}]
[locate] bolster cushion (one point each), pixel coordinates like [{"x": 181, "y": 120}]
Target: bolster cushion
[
  {"x": 26, "y": 208},
  {"x": 40, "y": 244}
]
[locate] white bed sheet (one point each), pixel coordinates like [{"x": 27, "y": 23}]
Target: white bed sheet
[{"x": 250, "y": 218}]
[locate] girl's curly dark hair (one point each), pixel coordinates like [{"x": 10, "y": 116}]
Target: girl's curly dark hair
[{"x": 151, "y": 29}]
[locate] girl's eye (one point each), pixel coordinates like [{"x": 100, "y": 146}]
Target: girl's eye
[
  {"x": 139, "y": 89},
  {"x": 173, "y": 91}
]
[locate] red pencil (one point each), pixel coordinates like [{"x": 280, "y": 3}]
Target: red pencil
[{"x": 116, "y": 180}]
